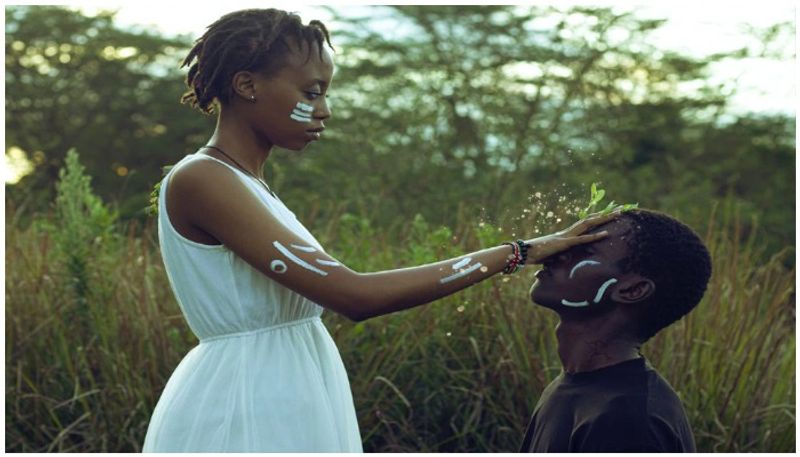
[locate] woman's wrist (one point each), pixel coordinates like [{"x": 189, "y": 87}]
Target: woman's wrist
[{"x": 518, "y": 257}]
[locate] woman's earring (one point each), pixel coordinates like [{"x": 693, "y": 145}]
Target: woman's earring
[{"x": 252, "y": 98}]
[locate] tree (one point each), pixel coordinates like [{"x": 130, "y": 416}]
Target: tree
[{"x": 77, "y": 81}]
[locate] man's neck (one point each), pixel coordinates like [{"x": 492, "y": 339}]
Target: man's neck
[{"x": 591, "y": 344}]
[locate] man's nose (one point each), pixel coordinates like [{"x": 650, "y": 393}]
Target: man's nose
[{"x": 555, "y": 259}]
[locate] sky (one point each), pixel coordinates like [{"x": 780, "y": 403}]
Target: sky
[{"x": 693, "y": 27}]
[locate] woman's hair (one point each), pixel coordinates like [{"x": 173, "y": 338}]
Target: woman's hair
[{"x": 247, "y": 40}]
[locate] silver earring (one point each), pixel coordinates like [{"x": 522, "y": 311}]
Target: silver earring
[{"x": 252, "y": 98}]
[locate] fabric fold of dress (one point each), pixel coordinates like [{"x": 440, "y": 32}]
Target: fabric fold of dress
[{"x": 266, "y": 376}]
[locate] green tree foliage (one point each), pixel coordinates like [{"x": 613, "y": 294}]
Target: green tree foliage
[
  {"x": 482, "y": 106},
  {"x": 438, "y": 110},
  {"x": 77, "y": 81}
]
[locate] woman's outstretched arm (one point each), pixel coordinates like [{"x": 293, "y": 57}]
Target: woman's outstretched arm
[{"x": 215, "y": 201}]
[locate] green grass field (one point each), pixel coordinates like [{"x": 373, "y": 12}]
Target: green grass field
[{"x": 93, "y": 332}]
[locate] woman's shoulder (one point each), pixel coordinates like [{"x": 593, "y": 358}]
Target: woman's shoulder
[
  {"x": 199, "y": 173},
  {"x": 201, "y": 183}
]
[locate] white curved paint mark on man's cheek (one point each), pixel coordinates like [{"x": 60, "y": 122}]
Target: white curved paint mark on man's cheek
[
  {"x": 581, "y": 264},
  {"x": 602, "y": 289},
  {"x": 574, "y": 304}
]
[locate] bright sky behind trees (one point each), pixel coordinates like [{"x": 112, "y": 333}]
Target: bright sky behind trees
[{"x": 697, "y": 28}]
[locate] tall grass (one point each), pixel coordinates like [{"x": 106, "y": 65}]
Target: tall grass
[{"x": 93, "y": 332}]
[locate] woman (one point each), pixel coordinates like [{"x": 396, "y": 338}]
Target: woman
[{"x": 251, "y": 281}]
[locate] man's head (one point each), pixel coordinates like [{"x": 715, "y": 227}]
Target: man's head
[{"x": 651, "y": 267}]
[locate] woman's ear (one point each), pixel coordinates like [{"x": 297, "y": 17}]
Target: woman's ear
[
  {"x": 633, "y": 289},
  {"x": 244, "y": 85}
]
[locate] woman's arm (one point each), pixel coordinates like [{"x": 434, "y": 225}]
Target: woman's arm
[{"x": 214, "y": 200}]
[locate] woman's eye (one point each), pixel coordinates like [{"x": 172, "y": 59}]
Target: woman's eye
[{"x": 312, "y": 95}]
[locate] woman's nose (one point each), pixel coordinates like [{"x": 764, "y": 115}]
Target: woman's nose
[{"x": 323, "y": 110}]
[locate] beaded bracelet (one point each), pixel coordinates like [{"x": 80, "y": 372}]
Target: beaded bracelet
[{"x": 518, "y": 258}]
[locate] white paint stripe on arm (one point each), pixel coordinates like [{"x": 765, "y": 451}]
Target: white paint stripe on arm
[
  {"x": 328, "y": 263},
  {"x": 462, "y": 263},
  {"x": 303, "y": 248},
  {"x": 278, "y": 266},
  {"x": 297, "y": 260},
  {"x": 460, "y": 274}
]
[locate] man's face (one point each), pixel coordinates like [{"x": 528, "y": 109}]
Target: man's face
[{"x": 580, "y": 280}]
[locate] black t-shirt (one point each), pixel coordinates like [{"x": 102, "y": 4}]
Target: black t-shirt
[{"x": 626, "y": 407}]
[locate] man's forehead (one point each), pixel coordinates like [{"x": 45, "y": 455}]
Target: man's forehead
[
  {"x": 617, "y": 227},
  {"x": 618, "y": 230}
]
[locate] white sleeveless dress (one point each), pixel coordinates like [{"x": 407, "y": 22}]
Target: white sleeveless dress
[{"x": 266, "y": 375}]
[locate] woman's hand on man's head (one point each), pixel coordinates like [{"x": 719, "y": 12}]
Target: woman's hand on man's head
[{"x": 545, "y": 246}]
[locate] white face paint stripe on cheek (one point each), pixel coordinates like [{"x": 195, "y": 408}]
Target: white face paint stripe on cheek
[
  {"x": 602, "y": 289},
  {"x": 580, "y": 264},
  {"x": 297, "y": 260},
  {"x": 302, "y": 112},
  {"x": 574, "y": 304},
  {"x": 299, "y": 118}
]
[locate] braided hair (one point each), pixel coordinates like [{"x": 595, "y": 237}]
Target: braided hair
[
  {"x": 248, "y": 40},
  {"x": 674, "y": 257}
]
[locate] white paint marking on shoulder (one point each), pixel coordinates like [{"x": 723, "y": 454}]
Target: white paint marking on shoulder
[
  {"x": 304, "y": 248},
  {"x": 297, "y": 260},
  {"x": 328, "y": 263},
  {"x": 278, "y": 266}
]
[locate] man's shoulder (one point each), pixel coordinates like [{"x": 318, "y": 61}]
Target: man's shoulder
[{"x": 654, "y": 414}]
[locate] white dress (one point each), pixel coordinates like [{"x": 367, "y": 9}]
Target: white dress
[{"x": 266, "y": 375}]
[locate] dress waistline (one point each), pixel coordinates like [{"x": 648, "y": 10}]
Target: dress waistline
[{"x": 307, "y": 320}]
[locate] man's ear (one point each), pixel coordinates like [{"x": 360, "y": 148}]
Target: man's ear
[
  {"x": 244, "y": 85},
  {"x": 633, "y": 289}
]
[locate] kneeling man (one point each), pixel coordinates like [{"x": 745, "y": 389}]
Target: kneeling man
[{"x": 611, "y": 297}]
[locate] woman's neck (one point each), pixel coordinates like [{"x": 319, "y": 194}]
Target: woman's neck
[{"x": 240, "y": 143}]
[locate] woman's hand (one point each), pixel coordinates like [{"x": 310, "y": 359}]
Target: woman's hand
[{"x": 545, "y": 246}]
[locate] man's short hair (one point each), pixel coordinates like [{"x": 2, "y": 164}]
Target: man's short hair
[{"x": 674, "y": 257}]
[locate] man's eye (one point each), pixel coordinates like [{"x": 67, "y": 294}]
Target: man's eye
[{"x": 312, "y": 95}]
